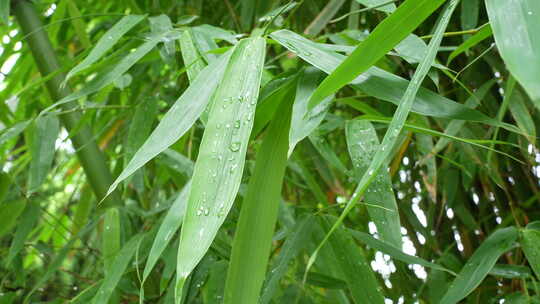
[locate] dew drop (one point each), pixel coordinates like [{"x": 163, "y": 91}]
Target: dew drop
[
  {"x": 235, "y": 146},
  {"x": 237, "y": 124}
]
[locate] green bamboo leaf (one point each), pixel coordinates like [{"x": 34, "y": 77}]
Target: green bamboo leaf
[
  {"x": 162, "y": 24},
  {"x": 78, "y": 24},
  {"x": 179, "y": 119},
  {"x": 530, "y": 242},
  {"x": 219, "y": 166},
  {"x": 363, "y": 145},
  {"x": 357, "y": 271},
  {"x": 389, "y": 8},
  {"x": 111, "y": 240},
  {"x": 11, "y": 211},
  {"x": 304, "y": 121},
  {"x": 104, "y": 79},
  {"x": 14, "y": 131},
  {"x": 385, "y": 37},
  {"x": 522, "y": 115},
  {"x": 167, "y": 229},
  {"x": 482, "y": 35},
  {"x": 192, "y": 59},
  {"x": 86, "y": 295},
  {"x": 394, "y": 252},
  {"x": 295, "y": 242},
  {"x": 255, "y": 228},
  {"x": 42, "y": 150},
  {"x": 4, "y": 10},
  {"x": 469, "y": 14},
  {"x": 480, "y": 263},
  {"x": 215, "y": 286},
  {"x": 117, "y": 268},
  {"x": 510, "y": 271},
  {"x": 397, "y": 123},
  {"x": 28, "y": 220},
  {"x": 106, "y": 42},
  {"x": 381, "y": 84},
  {"x": 516, "y": 24},
  {"x": 139, "y": 129}
]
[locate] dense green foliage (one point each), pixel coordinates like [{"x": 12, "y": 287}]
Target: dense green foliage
[{"x": 250, "y": 151}]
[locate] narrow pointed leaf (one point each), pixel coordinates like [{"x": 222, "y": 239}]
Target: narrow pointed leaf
[
  {"x": 100, "y": 81},
  {"x": 530, "y": 242},
  {"x": 219, "y": 167},
  {"x": 43, "y": 147},
  {"x": 253, "y": 238},
  {"x": 363, "y": 144},
  {"x": 179, "y": 119},
  {"x": 304, "y": 121},
  {"x": 106, "y": 42},
  {"x": 4, "y": 10},
  {"x": 166, "y": 231},
  {"x": 389, "y": 8},
  {"x": 381, "y": 84},
  {"x": 482, "y": 35},
  {"x": 385, "y": 37},
  {"x": 118, "y": 267},
  {"x": 295, "y": 242},
  {"x": 28, "y": 220},
  {"x": 480, "y": 263},
  {"x": 516, "y": 24},
  {"x": 356, "y": 269},
  {"x": 395, "y": 252}
]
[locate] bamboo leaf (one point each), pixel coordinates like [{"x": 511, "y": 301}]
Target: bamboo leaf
[
  {"x": 105, "y": 43},
  {"x": 178, "y": 120},
  {"x": 78, "y": 24},
  {"x": 515, "y": 26},
  {"x": 381, "y": 84},
  {"x": 219, "y": 166},
  {"x": 118, "y": 267},
  {"x": 4, "y": 10},
  {"x": 166, "y": 231},
  {"x": 389, "y": 8},
  {"x": 42, "y": 150},
  {"x": 28, "y": 220},
  {"x": 10, "y": 213},
  {"x": 111, "y": 241},
  {"x": 295, "y": 242},
  {"x": 530, "y": 242},
  {"x": 255, "y": 228},
  {"x": 385, "y": 37},
  {"x": 363, "y": 145},
  {"x": 397, "y": 122},
  {"x": 480, "y": 263},
  {"x": 395, "y": 252},
  {"x": 482, "y": 35},
  {"x": 304, "y": 121},
  {"x": 192, "y": 59},
  {"x": 14, "y": 131},
  {"x": 358, "y": 274},
  {"x": 100, "y": 81}
]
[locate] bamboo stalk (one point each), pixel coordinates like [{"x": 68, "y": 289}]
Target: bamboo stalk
[{"x": 90, "y": 156}]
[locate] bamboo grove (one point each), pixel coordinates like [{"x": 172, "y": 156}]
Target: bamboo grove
[{"x": 250, "y": 151}]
